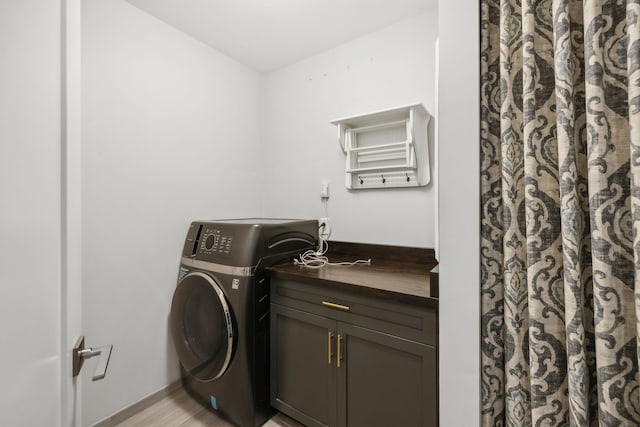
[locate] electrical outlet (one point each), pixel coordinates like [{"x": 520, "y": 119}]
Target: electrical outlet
[
  {"x": 324, "y": 228},
  {"x": 324, "y": 190}
]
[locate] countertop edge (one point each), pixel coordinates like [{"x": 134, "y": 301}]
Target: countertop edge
[{"x": 387, "y": 294}]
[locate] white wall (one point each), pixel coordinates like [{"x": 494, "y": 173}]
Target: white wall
[
  {"x": 459, "y": 204},
  {"x": 30, "y": 216},
  {"x": 391, "y": 67},
  {"x": 154, "y": 126},
  {"x": 170, "y": 131}
]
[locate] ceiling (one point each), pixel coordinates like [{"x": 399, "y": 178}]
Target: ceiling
[{"x": 270, "y": 34}]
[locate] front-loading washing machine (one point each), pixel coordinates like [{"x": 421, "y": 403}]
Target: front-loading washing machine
[{"x": 220, "y": 310}]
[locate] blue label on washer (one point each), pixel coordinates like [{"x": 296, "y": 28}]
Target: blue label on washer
[
  {"x": 183, "y": 272},
  {"x": 214, "y": 402}
]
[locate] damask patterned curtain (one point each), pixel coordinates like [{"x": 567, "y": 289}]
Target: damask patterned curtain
[{"x": 560, "y": 176}]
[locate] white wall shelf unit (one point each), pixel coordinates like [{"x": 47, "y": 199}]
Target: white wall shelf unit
[{"x": 387, "y": 148}]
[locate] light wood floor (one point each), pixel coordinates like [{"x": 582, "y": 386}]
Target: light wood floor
[{"x": 178, "y": 409}]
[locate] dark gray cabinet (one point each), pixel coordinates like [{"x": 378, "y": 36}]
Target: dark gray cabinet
[
  {"x": 340, "y": 359},
  {"x": 303, "y": 382}
]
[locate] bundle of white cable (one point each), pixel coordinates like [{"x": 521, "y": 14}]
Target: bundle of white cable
[{"x": 317, "y": 258}]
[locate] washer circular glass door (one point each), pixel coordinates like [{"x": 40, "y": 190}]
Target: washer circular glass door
[{"x": 202, "y": 327}]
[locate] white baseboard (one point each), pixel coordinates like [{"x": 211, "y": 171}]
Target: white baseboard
[{"x": 138, "y": 406}]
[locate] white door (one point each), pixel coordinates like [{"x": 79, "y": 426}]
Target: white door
[{"x": 39, "y": 210}]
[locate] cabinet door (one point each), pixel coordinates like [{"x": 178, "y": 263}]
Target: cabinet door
[
  {"x": 384, "y": 380},
  {"x": 303, "y": 377}
]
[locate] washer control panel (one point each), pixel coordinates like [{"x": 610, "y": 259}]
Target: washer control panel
[{"x": 215, "y": 241}]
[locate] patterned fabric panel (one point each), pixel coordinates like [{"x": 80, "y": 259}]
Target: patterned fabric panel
[{"x": 560, "y": 214}]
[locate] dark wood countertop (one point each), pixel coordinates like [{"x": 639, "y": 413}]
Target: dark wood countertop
[{"x": 396, "y": 273}]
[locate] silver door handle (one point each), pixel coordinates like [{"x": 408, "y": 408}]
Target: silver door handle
[{"x": 80, "y": 354}]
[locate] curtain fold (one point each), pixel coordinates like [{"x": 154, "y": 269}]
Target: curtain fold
[{"x": 560, "y": 214}]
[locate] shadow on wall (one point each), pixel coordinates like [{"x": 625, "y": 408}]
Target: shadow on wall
[{"x": 173, "y": 363}]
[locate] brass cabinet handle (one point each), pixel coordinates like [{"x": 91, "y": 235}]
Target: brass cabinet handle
[
  {"x": 339, "y": 357},
  {"x": 334, "y": 305},
  {"x": 329, "y": 337}
]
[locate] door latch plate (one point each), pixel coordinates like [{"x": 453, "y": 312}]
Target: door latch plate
[{"x": 77, "y": 360}]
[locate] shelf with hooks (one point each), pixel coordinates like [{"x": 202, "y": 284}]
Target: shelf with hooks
[{"x": 387, "y": 148}]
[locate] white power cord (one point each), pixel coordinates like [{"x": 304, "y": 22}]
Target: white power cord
[{"x": 317, "y": 258}]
